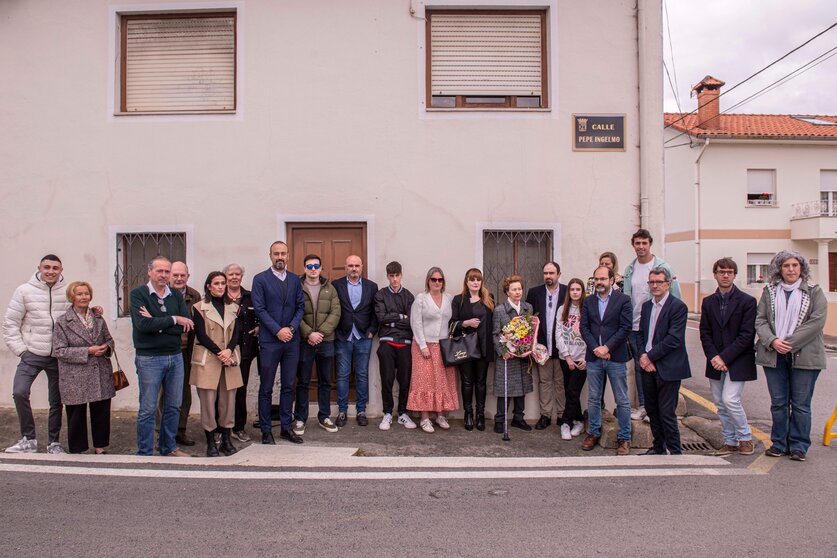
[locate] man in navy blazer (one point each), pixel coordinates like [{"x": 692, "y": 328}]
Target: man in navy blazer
[
  {"x": 545, "y": 300},
  {"x": 354, "y": 334},
  {"x": 727, "y": 333},
  {"x": 279, "y": 305},
  {"x": 606, "y": 320},
  {"x": 664, "y": 361}
]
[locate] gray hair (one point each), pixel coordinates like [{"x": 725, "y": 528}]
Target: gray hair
[
  {"x": 660, "y": 270},
  {"x": 774, "y": 270},
  {"x": 228, "y": 267},
  {"x": 157, "y": 259}
]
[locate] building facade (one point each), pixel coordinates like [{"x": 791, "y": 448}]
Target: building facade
[
  {"x": 429, "y": 132},
  {"x": 746, "y": 186}
]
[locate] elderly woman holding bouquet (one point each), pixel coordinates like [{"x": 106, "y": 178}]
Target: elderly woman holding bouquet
[{"x": 514, "y": 335}]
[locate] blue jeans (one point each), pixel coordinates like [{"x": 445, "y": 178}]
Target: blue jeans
[
  {"x": 791, "y": 390},
  {"x": 727, "y": 396},
  {"x": 323, "y": 355},
  {"x": 285, "y": 356},
  {"x": 154, "y": 372},
  {"x": 360, "y": 349},
  {"x": 617, "y": 373},
  {"x": 636, "y": 352}
]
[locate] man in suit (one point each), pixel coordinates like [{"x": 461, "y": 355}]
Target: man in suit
[
  {"x": 279, "y": 304},
  {"x": 355, "y": 331},
  {"x": 664, "y": 361},
  {"x": 605, "y": 325},
  {"x": 545, "y": 300},
  {"x": 727, "y": 333}
]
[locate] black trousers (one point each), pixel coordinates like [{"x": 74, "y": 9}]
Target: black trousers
[
  {"x": 77, "y": 425},
  {"x": 519, "y": 402},
  {"x": 573, "y": 384},
  {"x": 241, "y": 394},
  {"x": 396, "y": 364},
  {"x": 472, "y": 376},
  {"x": 661, "y": 406}
]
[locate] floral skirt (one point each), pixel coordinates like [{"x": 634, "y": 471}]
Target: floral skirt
[{"x": 432, "y": 384}]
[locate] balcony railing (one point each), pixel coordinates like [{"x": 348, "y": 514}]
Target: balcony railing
[{"x": 817, "y": 208}]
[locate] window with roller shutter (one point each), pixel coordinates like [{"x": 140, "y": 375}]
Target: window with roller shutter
[
  {"x": 178, "y": 63},
  {"x": 487, "y": 59}
]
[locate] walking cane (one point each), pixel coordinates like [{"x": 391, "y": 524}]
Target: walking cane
[{"x": 506, "y": 400}]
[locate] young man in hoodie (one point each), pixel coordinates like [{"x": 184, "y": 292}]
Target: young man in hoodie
[{"x": 27, "y": 331}]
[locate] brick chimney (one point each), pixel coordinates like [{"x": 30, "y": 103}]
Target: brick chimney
[{"x": 709, "y": 107}]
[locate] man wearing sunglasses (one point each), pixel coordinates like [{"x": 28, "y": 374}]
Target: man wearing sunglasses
[
  {"x": 354, "y": 337},
  {"x": 319, "y": 320},
  {"x": 664, "y": 361}
]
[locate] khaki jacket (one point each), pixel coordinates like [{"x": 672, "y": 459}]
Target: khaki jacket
[
  {"x": 206, "y": 366},
  {"x": 806, "y": 340}
]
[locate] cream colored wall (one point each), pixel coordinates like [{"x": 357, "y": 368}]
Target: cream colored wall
[{"x": 327, "y": 125}]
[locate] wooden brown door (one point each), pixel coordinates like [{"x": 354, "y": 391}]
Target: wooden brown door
[
  {"x": 832, "y": 271},
  {"x": 333, "y": 243}
]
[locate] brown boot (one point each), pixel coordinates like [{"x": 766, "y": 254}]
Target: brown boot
[
  {"x": 589, "y": 443},
  {"x": 624, "y": 448},
  {"x": 727, "y": 449},
  {"x": 746, "y": 447}
]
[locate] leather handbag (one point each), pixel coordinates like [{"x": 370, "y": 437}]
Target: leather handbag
[
  {"x": 464, "y": 348},
  {"x": 120, "y": 380}
]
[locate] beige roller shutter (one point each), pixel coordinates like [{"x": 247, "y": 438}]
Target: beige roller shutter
[
  {"x": 486, "y": 54},
  {"x": 180, "y": 64}
]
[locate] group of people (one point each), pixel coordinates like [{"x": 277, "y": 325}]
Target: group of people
[{"x": 289, "y": 323}]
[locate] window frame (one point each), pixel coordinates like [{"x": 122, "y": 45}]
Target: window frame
[
  {"x": 122, "y": 38},
  {"x": 511, "y": 100},
  {"x": 553, "y": 233},
  {"x": 772, "y": 200}
]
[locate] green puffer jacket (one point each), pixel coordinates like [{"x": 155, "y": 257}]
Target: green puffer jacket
[
  {"x": 806, "y": 340},
  {"x": 326, "y": 318}
]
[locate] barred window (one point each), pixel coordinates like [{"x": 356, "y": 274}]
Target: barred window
[
  {"x": 514, "y": 252},
  {"x": 133, "y": 252}
]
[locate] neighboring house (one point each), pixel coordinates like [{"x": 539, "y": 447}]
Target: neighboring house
[
  {"x": 434, "y": 132},
  {"x": 747, "y": 186}
]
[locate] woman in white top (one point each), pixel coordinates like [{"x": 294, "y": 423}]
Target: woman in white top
[
  {"x": 573, "y": 350},
  {"x": 432, "y": 384}
]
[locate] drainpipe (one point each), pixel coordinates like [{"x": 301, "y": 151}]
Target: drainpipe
[{"x": 697, "y": 225}]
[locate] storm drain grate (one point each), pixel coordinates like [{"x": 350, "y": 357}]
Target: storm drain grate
[{"x": 697, "y": 446}]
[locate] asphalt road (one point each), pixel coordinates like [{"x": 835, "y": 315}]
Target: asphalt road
[{"x": 789, "y": 511}]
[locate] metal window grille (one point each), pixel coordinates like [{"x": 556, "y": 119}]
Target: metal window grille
[
  {"x": 514, "y": 252},
  {"x": 133, "y": 252}
]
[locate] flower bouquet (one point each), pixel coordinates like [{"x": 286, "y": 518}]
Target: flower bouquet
[{"x": 519, "y": 336}]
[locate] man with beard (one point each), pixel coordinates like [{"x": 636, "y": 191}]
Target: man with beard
[
  {"x": 278, "y": 300},
  {"x": 545, "y": 300}
]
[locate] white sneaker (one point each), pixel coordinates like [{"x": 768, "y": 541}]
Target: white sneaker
[
  {"x": 299, "y": 427},
  {"x": 427, "y": 426},
  {"x": 442, "y": 421},
  {"x": 55, "y": 448},
  {"x": 327, "y": 425},
  {"x": 638, "y": 414},
  {"x": 565, "y": 432},
  {"x": 405, "y": 419},
  {"x": 386, "y": 422},
  {"x": 577, "y": 429},
  {"x": 24, "y": 445}
]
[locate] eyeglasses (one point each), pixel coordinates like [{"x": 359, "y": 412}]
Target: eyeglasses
[
  {"x": 653, "y": 283},
  {"x": 437, "y": 280},
  {"x": 725, "y": 272},
  {"x": 312, "y": 266}
]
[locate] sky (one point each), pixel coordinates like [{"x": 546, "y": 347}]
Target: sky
[{"x": 732, "y": 39}]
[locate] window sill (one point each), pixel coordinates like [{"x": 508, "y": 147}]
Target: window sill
[
  {"x": 483, "y": 109},
  {"x": 751, "y": 206},
  {"x": 179, "y": 113}
]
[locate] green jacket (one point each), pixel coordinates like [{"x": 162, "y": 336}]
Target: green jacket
[
  {"x": 327, "y": 316},
  {"x": 157, "y": 335},
  {"x": 806, "y": 339}
]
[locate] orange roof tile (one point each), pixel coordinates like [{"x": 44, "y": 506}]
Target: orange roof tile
[{"x": 748, "y": 126}]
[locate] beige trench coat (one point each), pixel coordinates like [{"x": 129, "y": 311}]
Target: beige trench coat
[{"x": 206, "y": 366}]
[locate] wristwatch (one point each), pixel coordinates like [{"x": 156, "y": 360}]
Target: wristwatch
[{"x": 292, "y": 329}]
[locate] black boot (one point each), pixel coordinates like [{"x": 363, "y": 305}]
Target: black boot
[
  {"x": 480, "y": 424},
  {"x": 469, "y": 421},
  {"x": 226, "y": 446},
  {"x": 211, "y": 450}
]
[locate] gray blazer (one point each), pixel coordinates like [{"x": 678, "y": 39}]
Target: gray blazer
[
  {"x": 519, "y": 378},
  {"x": 806, "y": 340},
  {"x": 82, "y": 378}
]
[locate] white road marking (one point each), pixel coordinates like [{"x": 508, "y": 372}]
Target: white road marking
[{"x": 372, "y": 475}]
